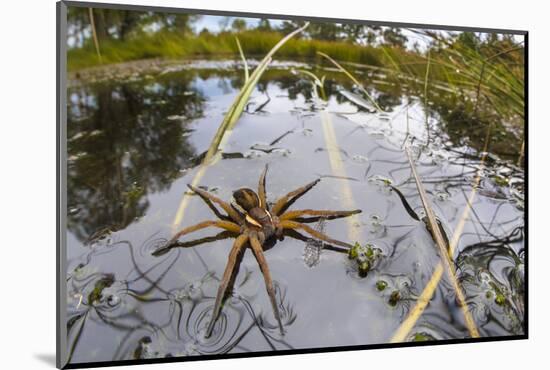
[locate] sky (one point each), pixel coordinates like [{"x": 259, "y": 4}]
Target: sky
[{"x": 213, "y": 23}]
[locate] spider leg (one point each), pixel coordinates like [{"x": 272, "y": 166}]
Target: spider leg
[
  {"x": 212, "y": 198},
  {"x": 288, "y": 224},
  {"x": 258, "y": 252},
  {"x": 329, "y": 215},
  {"x": 261, "y": 189},
  {"x": 226, "y": 225},
  {"x": 218, "y": 214},
  {"x": 296, "y": 235},
  {"x": 286, "y": 201},
  {"x": 238, "y": 245},
  {"x": 192, "y": 243}
]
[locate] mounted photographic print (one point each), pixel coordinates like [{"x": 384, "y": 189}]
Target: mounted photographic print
[{"x": 234, "y": 184}]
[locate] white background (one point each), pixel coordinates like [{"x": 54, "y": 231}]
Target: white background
[{"x": 27, "y": 193}]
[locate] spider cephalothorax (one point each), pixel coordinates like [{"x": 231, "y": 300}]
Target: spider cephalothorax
[{"x": 252, "y": 222}]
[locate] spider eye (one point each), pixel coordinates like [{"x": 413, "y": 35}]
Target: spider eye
[{"x": 246, "y": 198}]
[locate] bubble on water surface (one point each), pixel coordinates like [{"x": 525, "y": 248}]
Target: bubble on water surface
[
  {"x": 442, "y": 196},
  {"x": 359, "y": 158}
]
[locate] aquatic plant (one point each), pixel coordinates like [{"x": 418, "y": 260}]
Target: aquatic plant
[{"x": 364, "y": 256}]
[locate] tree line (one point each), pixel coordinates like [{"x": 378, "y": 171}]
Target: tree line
[{"x": 125, "y": 24}]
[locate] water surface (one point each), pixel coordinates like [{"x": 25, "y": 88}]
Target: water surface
[{"x": 134, "y": 141}]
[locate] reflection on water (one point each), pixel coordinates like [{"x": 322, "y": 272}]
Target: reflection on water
[
  {"x": 125, "y": 141},
  {"x": 133, "y": 144}
]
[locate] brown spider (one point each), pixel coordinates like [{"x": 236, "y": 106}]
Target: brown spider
[{"x": 253, "y": 222}]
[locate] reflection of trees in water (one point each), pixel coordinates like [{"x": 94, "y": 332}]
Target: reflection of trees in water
[
  {"x": 124, "y": 141},
  {"x": 466, "y": 124},
  {"x": 122, "y": 144},
  {"x": 458, "y": 115}
]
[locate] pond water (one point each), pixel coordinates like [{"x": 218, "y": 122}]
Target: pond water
[{"x": 135, "y": 138}]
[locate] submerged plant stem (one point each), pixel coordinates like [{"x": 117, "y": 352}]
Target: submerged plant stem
[{"x": 521, "y": 153}]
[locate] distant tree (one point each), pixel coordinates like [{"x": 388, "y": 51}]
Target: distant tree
[
  {"x": 469, "y": 39},
  {"x": 224, "y": 23},
  {"x": 103, "y": 21},
  {"x": 127, "y": 22},
  {"x": 325, "y": 31},
  {"x": 205, "y": 31},
  {"x": 78, "y": 23},
  {"x": 353, "y": 32},
  {"x": 238, "y": 25},
  {"x": 372, "y": 34},
  {"x": 287, "y": 27},
  {"x": 264, "y": 25},
  {"x": 394, "y": 37},
  {"x": 122, "y": 24},
  {"x": 176, "y": 22}
]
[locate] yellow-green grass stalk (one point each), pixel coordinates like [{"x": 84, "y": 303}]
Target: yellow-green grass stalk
[
  {"x": 318, "y": 83},
  {"x": 246, "y": 75},
  {"x": 426, "y": 106}
]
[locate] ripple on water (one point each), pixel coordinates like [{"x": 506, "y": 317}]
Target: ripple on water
[
  {"x": 493, "y": 279},
  {"x": 287, "y": 314},
  {"x": 397, "y": 291}
]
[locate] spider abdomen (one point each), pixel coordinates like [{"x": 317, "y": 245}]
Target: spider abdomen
[{"x": 246, "y": 199}]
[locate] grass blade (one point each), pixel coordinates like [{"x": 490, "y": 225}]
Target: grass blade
[
  {"x": 426, "y": 99},
  {"x": 446, "y": 265},
  {"x": 246, "y": 76},
  {"x": 317, "y": 83},
  {"x": 240, "y": 101}
]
